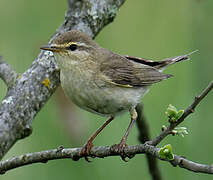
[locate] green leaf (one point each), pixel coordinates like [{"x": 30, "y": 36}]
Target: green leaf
[
  {"x": 166, "y": 152},
  {"x": 181, "y": 131},
  {"x": 173, "y": 114},
  {"x": 179, "y": 114},
  {"x": 171, "y": 111}
]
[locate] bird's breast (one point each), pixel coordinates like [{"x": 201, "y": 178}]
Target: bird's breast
[{"x": 81, "y": 86}]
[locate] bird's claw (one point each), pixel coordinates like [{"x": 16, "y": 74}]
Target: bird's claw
[
  {"x": 119, "y": 148},
  {"x": 85, "y": 151}
]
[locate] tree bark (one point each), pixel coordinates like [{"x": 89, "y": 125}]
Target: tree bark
[{"x": 29, "y": 92}]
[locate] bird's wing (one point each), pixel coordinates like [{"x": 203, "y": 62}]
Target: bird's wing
[{"x": 124, "y": 72}]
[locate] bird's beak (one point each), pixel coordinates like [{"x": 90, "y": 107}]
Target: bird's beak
[{"x": 50, "y": 48}]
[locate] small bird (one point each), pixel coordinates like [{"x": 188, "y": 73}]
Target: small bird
[{"x": 104, "y": 82}]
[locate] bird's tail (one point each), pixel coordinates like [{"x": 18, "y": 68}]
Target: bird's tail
[
  {"x": 160, "y": 65},
  {"x": 166, "y": 62}
]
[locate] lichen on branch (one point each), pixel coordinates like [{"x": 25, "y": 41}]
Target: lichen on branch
[{"x": 28, "y": 92}]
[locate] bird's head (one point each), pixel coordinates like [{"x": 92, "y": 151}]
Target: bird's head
[{"x": 72, "y": 47}]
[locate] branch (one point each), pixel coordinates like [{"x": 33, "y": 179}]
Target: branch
[
  {"x": 100, "y": 152},
  {"x": 186, "y": 113},
  {"x": 7, "y": 74},
  {"x": 144, "y": 136},
  {"x": 191, "y": 166},
  {"x": 30, "y": 92}
]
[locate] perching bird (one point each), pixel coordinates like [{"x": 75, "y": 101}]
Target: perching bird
[{"x": 103, "y": 82}]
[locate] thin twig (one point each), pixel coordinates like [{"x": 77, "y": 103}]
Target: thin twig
[
  {"x": 186, "y": 113},
  {"x": 144, "y": 136},
  {"x": 7, "y": 74},
  {"x": 191, "y": 166},
  {"x": 100, "y": 152}
]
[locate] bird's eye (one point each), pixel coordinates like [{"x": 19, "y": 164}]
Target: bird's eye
[{"x": 73, "y": 47}]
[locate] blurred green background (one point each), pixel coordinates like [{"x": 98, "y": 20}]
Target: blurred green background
[{"x": 149, "y": 29}]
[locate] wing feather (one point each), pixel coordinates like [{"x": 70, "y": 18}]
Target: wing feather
[{"x": 124, "y": 72}]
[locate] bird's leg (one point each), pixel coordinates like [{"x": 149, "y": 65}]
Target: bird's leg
[
  {"x": 120, "y": 147},
  {"x": 88, "y": 146},
  {"x": 133, "y": 114}
]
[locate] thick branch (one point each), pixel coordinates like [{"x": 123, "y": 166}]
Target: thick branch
[
  {"x": 30, "y": 92},
  {"x": 186, "y": 113},
  {"x": 7, "y": 74},
  {"x": 101, "y": 152},
  {"x": 144, "y": 136}
]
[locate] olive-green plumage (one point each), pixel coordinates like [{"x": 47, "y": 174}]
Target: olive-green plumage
[{"x": 101, "y": 81}]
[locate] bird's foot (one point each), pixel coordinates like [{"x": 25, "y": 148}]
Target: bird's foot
[
  {"x": 120, "y": 148},
  {"x": 85, "y": 151}
]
